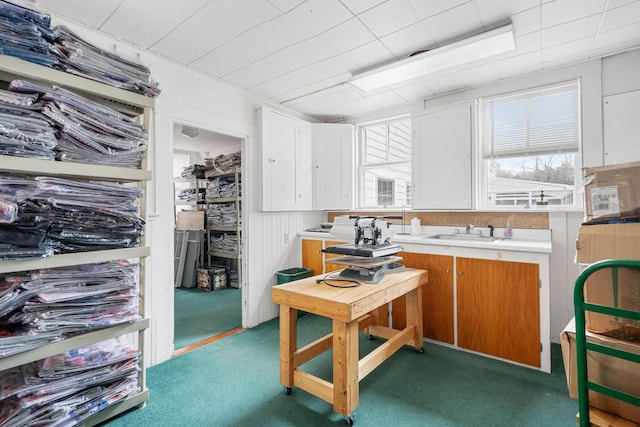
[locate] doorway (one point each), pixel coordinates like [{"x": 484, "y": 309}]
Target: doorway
[{"x": 207, "y": 171}]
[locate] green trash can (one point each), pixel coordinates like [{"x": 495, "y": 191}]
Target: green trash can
[{"x": 292, "y": 274}]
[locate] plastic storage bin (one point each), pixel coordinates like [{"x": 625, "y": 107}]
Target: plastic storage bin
[{"x": 292, "y": 274}]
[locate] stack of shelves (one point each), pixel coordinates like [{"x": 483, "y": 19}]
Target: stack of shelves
[
  {"x": 224, "y": 236},
  {"x": 133, "y": 105}
]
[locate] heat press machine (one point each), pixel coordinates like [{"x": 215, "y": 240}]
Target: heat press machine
[{"x": 371, "y": 255}]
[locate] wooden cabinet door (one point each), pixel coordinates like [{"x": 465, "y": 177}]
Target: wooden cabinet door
[
  {"x": 312, "y": 255},
  {"x": 499, "y": 309},
  {"x": 437, "y": 296}
]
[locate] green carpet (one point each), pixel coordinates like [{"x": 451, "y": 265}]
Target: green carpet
[
  {"x": 199, "y": 314},
  {"x": 235, "y": 382}
]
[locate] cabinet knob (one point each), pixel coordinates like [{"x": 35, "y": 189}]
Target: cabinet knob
[
  {"x": 446, "y": 270},
  {"x": 460, "y": 273}
]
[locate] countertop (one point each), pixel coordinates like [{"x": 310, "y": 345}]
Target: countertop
[{"x": 524, "y": 240}]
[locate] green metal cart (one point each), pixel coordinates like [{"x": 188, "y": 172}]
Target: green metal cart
[{"x": 580, "y": 306}]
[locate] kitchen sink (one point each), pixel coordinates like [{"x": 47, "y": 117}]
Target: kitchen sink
[{"x": 460, "y": 236}]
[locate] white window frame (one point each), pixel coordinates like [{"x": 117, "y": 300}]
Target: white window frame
[
  {"x": 363, "y": 168},
  {"x": 483, "y": 163}
]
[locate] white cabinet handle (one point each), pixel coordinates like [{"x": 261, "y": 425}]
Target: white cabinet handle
[{"x": 272, "y": 160}]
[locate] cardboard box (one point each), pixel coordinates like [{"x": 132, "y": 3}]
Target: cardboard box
[
  {"x": 611, "y": 241},
  {"x": 607, "y": 370},
  {"x": 612, "y": 192},
  {"x": 190, "y": 220},
  {"x": 608, "y": 241}
]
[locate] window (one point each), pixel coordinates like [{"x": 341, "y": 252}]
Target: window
[
  {"x": 385, "y": 164},
  {"x": 530, "y": 145},
  {"x": 386, "y": 192}
]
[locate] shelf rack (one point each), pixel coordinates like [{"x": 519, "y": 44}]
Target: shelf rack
[
  {"x": 129, "y": 103},
  {"x": 236, "y": 229}
]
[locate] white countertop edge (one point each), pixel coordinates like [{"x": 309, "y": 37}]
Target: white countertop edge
[{"x": 538, "y": 241}]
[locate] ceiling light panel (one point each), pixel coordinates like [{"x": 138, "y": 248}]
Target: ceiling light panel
[{"x": 448, "y": 57}]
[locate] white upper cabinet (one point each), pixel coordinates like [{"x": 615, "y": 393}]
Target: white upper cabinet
[
  {"x": 441, "y": 163},
  {"x": 333, "y": 156},
  {"x": 286, "y": 162},
  {"x": 621, "y": 127}
]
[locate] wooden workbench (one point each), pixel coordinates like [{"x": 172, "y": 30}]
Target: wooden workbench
[{"x": 351, "y": 309}]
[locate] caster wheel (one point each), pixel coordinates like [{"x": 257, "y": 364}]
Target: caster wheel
[
  {"x": 288, "y": 390},
  {"x": 421, "y": 350},
  {"x": 350, "y": 420},
  {"x": 371, "y": 337}
]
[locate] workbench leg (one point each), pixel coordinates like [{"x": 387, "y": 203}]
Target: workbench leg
[
  {"x": 345, "y": 367},
  {"x": 288, "y": 345},
  {"x": 414, "y": 317}
]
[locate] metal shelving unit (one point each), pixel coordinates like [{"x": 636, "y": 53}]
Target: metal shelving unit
[
  {"x": 230, "y": 258},
  {"x": 134, "y": 105}
]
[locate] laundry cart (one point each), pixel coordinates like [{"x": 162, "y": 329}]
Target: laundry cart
[{"x": 622, "y": 286}]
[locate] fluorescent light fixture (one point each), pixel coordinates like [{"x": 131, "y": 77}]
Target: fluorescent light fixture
[{"x": 465, "y": 51}]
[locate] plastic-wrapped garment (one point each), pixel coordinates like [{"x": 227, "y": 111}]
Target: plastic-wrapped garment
[
  {"x": 60, "y": 215},
  {"x": 23, "y": 131},
  {"x": 65, "y": 389},
  {"x": 42, "y": 19},
  {"x": 88, "y": 132},
  {"x": 89, "y": 61},
  {"x": 44, "y": 305}
]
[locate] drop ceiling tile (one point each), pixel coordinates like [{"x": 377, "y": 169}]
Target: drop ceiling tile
[
  {"x": 427, "y": 9},
  {"x": 617, "y": 3},
  {"x": 526, "y": 22},
  {"x": 92, "y": 14},
  {"x": 616, "y": 40},
  {"x": 338, "y": 40},
  {"x": 526, "y": 44},
  {"x": 574, "y": 30},
  {"x": 621, "y": 16},
  {"x": 369, "y": 55},
  {"x": 579, "y": 48},
  {"x": 322, "y": 74},
  {"x": 248, "y": 47},
  {"x": 286, "y": 5},
  {"x": 445, "y": 83},
  {"x": 320, "y": 15},
  {"x": 495, "y": 11},
  {"x": 389, "y": 17},
  {"x": 408, "y": 40},
  {"x": 327, "y": 83},
  {"x": 454, "y": 24},
  {"x": 209, "y": 28},
  {"x": 561, "y": 11},
  {"x": 359, "y": 6},
  {"x": 413, "y": 91},
  {"x": 124, "y": 23}
]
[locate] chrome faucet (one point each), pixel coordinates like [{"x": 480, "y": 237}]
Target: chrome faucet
[{"x": 469, "y": 229}]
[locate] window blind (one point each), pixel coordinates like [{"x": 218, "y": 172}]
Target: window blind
[{"x": 541, "y": 121}]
